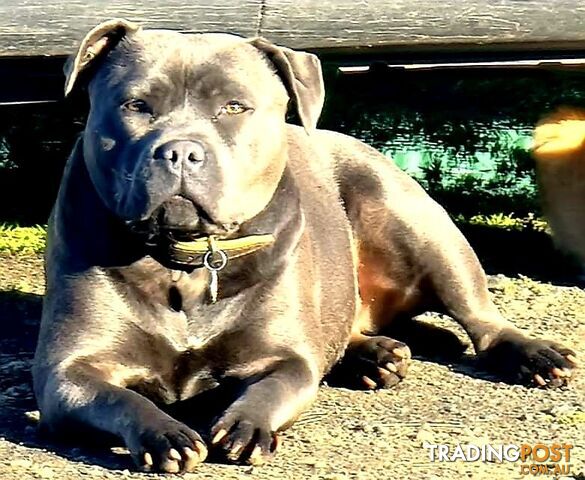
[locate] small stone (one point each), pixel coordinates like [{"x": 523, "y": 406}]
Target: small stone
[
  {"x": 33, "y": 416},
  {"x": 20, "y": 463},
  {"x": 382, "y": 429},
  {"x": 45, "y": 472},
  {"x": 120, "y": 451},
  {"x": 556, "y": 410},
  {"x": 424, "y": 435},
  {"x": 368, "y": 429},
  {"x": 12, "y": 392}
]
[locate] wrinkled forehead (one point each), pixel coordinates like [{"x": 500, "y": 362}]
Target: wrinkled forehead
[{"x": 203, "y": 63}]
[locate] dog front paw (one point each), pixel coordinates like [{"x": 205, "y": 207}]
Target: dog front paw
[
  {"x": 168, "y": 446},
  {"x": 244, "y": 436},
  {"x": 521, "y": 359}
]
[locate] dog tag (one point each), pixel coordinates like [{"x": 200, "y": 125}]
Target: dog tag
[
  {"x": 213, "y": 285},
  {"x": 214, "y": 260},
  {"x": 176, "y": 275}
]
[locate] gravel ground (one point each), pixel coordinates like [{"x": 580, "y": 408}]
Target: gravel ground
[{"x": 347, "y": 434}]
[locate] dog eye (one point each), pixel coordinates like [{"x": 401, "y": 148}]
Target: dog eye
[
  {"x": 137, "y": 105},
  {"x": 234, "y": 108}
]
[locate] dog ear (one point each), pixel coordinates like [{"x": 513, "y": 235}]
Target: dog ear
[
  {"x": 302, "y": 76},
  {"x": 96, "y": 43}
]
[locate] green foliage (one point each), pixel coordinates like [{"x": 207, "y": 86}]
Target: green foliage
[
  {"x": 491, "y": 171},
  {"x": 482, "y": 167},
  {"x": 464, "y": 135},
  {"x": 16, "y": 240}
]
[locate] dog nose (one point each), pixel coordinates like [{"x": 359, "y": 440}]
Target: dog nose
[{"x": 180, "y": 151}]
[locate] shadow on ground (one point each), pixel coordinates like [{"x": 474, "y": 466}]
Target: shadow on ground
[
  {"x": 430, "y": 343},
  {"x": 19, "y": 316},
  {"x": 529, "y": 253}
]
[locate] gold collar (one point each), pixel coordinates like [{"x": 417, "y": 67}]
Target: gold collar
[{"x": 208, "y": 251}]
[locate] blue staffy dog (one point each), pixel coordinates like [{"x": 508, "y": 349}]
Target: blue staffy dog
[{"x": 199, "y": 241}]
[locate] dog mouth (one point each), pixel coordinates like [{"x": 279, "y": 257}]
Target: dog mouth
[{"x": 179, "y": 219}]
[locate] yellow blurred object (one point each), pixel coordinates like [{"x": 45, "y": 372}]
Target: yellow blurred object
[
  {"x": 559, "y": 152},
  {"x": 560, "y": 136}
]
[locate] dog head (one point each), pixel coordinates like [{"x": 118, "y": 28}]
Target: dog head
[{"x": 187, "y": 131}]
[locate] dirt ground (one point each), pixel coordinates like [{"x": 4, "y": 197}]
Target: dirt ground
[{"x": 346, "y": 434}]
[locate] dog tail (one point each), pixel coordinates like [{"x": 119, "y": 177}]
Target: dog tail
[{"x": 560, "y": 136}]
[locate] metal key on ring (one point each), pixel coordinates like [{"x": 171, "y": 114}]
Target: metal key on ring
[{"x": 214, "y": 261}]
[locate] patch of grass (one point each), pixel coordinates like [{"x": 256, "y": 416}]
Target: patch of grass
[
  {"x": 576, "y": 417},
  {"x": 506, "y": 222},
  {"x": 18, "y": 288},
  {"x": 16, "y": 240}
]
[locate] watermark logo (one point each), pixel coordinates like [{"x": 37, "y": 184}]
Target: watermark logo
[{"x": 536, "y": 459}]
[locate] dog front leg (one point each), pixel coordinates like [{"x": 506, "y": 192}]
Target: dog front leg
[
  {"x": 156, "y": 441},
  {"x": 247, "y": 429}
]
